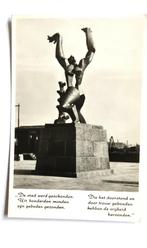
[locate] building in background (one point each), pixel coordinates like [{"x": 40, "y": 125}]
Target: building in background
[{"x": 123, "y": 152}]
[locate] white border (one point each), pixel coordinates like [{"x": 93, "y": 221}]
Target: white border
[
  {"x": 75, "y": 208},
  {"x": 34, "y": 233}
]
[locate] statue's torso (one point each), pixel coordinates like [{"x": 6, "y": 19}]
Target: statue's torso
[{"x": 71, "y": 71}]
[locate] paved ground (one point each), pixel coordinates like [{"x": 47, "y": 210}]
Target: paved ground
[{"x": 124, "y": 178}]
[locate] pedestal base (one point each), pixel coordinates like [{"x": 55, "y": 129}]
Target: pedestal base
[{"x": 72, "y": 149}]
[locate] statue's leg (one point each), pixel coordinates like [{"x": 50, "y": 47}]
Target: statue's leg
[
  {"x": 74, "y": 114},
  {"x": 81, "y": 118},
  {"x": 62, "y": 116},
  {"x": 79, "y": 105},
  {"x": 89, "y": 39}
]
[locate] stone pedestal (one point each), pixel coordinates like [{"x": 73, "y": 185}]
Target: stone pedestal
[{"x": 71, "y": 149}]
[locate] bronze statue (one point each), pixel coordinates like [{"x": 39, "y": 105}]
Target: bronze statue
[{"x": 72, "y": 100}]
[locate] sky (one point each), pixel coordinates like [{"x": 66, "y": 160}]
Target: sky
[{"x": 111, "y": 83}]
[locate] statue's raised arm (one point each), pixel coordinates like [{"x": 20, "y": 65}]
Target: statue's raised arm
[
  {"x": 91, "y": 48},
  {"x": 57, "y": 38}
]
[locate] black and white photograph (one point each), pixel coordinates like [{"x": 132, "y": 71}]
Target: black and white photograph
[
  {"x": 76, "y": 104},
  {"x": 73, "y": 123}
]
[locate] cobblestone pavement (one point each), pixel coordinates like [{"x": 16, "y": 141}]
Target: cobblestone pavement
[{"x": 123, "y": 178}]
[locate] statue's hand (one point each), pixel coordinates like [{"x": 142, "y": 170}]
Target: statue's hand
[
  {"x": 50, "y": 39},
  {"x": 86, "y": 29},
  {"x": 53, "y": 38}
]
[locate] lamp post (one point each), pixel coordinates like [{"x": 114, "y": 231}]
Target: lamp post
[
  {"x": 18, "y": 114},
  {"x": 17, "y": 134}
]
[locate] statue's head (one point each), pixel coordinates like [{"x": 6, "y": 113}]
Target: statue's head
[{"x": 72, "y": 60}]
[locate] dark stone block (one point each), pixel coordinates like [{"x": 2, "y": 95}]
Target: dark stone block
[
  {"x": 59, "y": 132},
  {"x": 68, "y": 149},
  {"x": 85, "y": 163},
  {"x": 65, "y": 164},
  {"x": 46, "y": 164},
  {"x": 43, "y": 147},
  {"x": 84, "y": 148},
  {"x": 56, "y": 148}
]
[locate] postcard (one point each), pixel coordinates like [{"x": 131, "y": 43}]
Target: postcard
[{"x": 76, "y": 102}]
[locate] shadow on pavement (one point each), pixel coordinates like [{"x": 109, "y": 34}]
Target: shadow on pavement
[
  {"x": 119, "y": 181},
  {"x": 24, "y": 172}
]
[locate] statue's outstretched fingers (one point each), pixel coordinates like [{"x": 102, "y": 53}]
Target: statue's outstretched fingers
[
  {"x": 53, "y": 38},
  {"x": 84, "y": 29}
]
